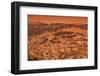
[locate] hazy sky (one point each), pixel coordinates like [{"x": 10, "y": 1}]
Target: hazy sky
[{"x": 58, "y": 19}]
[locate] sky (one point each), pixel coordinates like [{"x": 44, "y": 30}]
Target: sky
[{"x": 57, "y": 19}]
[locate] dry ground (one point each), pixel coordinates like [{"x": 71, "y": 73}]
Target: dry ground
[{"x": 57, "y": 41}]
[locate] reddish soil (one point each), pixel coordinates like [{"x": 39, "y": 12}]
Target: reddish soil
[{"x": 53, "y": 41}]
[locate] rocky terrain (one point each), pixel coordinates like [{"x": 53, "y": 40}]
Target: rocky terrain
[{"x": 55, "y": 41}]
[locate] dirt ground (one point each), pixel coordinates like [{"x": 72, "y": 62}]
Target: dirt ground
[{"x": 55, "y": 41}]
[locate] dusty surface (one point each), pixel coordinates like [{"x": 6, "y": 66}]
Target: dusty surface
[{"x": 49, "y": 41}]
